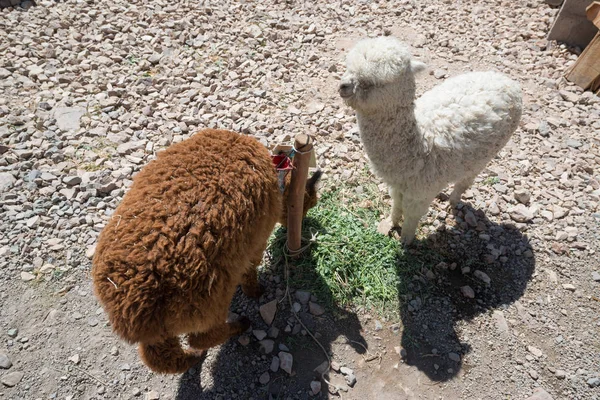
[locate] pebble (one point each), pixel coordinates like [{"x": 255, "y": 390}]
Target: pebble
[
  {"x": 302, "y": 296},
  {"x": 315, "y": 309},
  {"x": 482, "y": 276},
  {"x": 468, "y": 292},
  {"x": 285, "y": 361},
  {"x": 259, "y": 334},
  {"x": 13, "y": 332},
  {"x": 593, "y": 382},
  {"x": 267, "y": 311},
  {"x": 5, "y": 362},
  {"x": 26, "y": 276},
  {"x": 569, "y": 287},
  {"x": 274, "y": 364},
  {"x": 12, "y": 378},
  {"x": 244, "y": 340},
  {"x": 264, "y": 378},
  {"x": 315, "y": 387},
  {"x": 266, "y": 346},
  {"x": 520, "y": 213},
  {"x": 533, "y": 373},
  {"x": 454, "y": 357},
  {"x": 535, "y": 351},
  {"x": 596, "y": 276},
  {"x": 152, "y": 395},
  {"x": 540, "y": 394}
]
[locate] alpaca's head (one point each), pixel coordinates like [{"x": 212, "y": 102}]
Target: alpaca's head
[
  {"x": 379, "y": 73},
  {"x": 310, "y": 195}
]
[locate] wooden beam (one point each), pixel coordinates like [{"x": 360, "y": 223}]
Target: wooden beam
[
  {"x": 585, "y": 73},
  {"x": 303, "y": 146},
  {"x": 592, "y": 13}
]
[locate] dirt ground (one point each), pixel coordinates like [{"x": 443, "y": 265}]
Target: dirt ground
[{"x": 89, "y": 90}]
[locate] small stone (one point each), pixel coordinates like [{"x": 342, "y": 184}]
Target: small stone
[
  {"x": 596, "y": 276},
  {"x": 574, "y": 143},
  {"x": 501, "y": 323},
  {"x": 285, "y": 361},
  {"x": 467, "y": 291},
  {"x": 114, "y": 351},
  {"x": 351, "y": 380},
  {"x": 439, "y": 73},
  {"x": 454, "y": 357},
  {"x": 266, "y": 346},
  {"x": 520, "y": 213},
  {"x": 136, "y": 392},
  {"x": 68, "y": 118},
  {"x": 346, "y": 371},
  {"x": 593, "y": 382},
  {"x": 471, "y": 219},
  {"x": 5, "y": 362},
  {"x": 534, "y": 375},
  {"x": 259, "y": 334},
  {"x": 296, "y": 307},
  {"x": 72, "y": 180},
  {"x": 569, "y": 96},
  {"x": 26, "y": 276},
  {"x": 535, "y": 351},
  {"x": 274, "y": 364},
  {"x": 569, "y": 287},
  {"x": 264, "y": 378},
  {"x": 384, "y": 227},
  {"x": 13, "y": 332},
  {"x": 540, "y": 394},
  {"x": 315, "y": 387},
  {"x": 12, "y": 379},
  {"x": 560, "y": 374},
  {"x": 74, "y": 359},
  {"x": 378, "y": 325},
  {"x": 273, "y": 332},
  {"x": 302, "y": 296},
  {"x": 244, "y": 340},
  {"x": 267, "y": 311},
  {"x": 322, "y": 368},
  {"x": 152, "y": 395},
  {"x": 522, "y": 196},
  {"x": 315, "y": 309},
  {"x": 482, "y": 276},
  {"x": 335, "y": 366}
]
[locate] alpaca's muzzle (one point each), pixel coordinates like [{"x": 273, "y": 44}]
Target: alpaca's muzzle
[{"x": 346, "y": 90}]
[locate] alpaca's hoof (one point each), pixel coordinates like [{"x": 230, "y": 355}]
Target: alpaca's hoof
[
  {"x": 254, "y": 292},
  {"x": 407, "y": 240},
  {"x": 242, "y": 324}
]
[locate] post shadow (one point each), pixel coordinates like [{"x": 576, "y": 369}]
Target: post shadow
[
  {"x": 234, "y": 368},
  {"x": 431, "y": 305}
]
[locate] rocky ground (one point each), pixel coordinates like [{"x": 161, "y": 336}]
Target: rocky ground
[{"x": 90, "y": 90}]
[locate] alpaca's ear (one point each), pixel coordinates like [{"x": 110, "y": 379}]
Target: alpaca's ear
[{"x": 417, "y": 66}]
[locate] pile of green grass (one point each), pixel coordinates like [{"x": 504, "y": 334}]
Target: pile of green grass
[{"x": 348, "y": 261}]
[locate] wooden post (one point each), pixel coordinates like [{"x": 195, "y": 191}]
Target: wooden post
[{"x": 303, "y": 145}]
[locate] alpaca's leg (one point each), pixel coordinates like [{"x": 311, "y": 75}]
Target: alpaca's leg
[
  {"x": 459, "y": 188},
  {"x": 250, "y": 285},
  {"x": 396, "y": 196},
  {"x": 218, "y": 334},
  {"x": 414, "y": 209},
  {"x": 168, "y": 357}
]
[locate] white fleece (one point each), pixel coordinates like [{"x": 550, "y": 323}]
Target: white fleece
[{"x": 447, "y": 136}]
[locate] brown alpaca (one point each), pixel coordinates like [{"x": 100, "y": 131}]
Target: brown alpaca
[{"x": 193, "y": 227}]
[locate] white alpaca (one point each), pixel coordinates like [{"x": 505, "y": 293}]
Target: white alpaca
[{"x": 447, "y": 136}]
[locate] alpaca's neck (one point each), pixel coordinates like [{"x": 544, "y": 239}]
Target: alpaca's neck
[{"x": 393, "y": 140}]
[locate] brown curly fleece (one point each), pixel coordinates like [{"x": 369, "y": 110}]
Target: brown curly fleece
[{"x": 193, "y": 226}]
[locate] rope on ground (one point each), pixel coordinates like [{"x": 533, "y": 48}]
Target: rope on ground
[{"x": 289, "y": 296}]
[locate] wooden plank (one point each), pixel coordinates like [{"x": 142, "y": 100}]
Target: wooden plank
[
  {"x": 586, "y": 70},
  {"x": 592, "y": 13},
  {"x": 571, "y": 25}
]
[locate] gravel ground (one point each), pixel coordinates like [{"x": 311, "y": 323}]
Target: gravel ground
[{"x": 90, "y": 90}]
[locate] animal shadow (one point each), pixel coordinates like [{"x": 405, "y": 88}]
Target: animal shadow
[
  {"x": 234, "y": 370},
  {"x": 450, "y": 287}
]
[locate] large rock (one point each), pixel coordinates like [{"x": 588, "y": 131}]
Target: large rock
[{"x": 12, "y": 379}]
